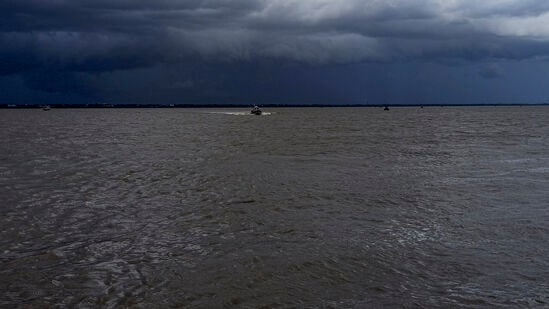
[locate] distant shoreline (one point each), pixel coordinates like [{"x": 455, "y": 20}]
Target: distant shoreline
[{"x": 101, "y": 105}]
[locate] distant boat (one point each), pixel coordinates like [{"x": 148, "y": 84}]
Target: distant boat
[
  {"x": 46, "y": 108},
  {"x": 386, "y": 108},
  {"x": 255, "y": 110}
]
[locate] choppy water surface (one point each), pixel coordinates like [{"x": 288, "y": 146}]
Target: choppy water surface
[{"x": 335, "y": 207}]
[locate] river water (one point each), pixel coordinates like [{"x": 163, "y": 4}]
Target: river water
[{"x": 440, "y": 207}]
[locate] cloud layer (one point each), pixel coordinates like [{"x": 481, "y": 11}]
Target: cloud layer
[
  {"x": 99, "y": 36},
  {"x": 89, "y": 35}
]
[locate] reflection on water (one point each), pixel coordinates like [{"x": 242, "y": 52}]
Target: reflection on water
[{"x": 433, "y": 207}]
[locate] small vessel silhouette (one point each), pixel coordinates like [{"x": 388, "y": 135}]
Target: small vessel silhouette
[{"x": 255, "y": 110}]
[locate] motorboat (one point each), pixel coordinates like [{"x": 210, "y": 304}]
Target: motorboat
[
  {"x": 46, "y": 108},
  {"x": 386, "y": 108},
  {"x": 255, "y": 110}
]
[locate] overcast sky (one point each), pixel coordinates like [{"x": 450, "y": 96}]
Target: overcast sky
[{"x": 274, "y": 51}]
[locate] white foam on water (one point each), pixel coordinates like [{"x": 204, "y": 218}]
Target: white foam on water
[
  {"x": 539, "y": 170},
  {"x": 240, "y": 113}
]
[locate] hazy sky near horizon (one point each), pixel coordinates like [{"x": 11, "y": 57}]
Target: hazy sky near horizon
[{"x": 274, "y": 51}]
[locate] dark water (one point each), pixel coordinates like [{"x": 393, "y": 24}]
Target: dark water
[{"x": 307, "y": 208}]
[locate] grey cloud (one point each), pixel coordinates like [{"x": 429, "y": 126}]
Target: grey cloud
[
  {"x": 491, "y": 71},
  {"x": 101, "y": 36}
]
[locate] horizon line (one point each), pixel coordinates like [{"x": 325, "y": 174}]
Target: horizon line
[{"x": 239, "y": 105}]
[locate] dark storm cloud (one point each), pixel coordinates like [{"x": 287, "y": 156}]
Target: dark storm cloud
[
  {"x": 86, "y": 35},
  {"x": 491, "y": 71},
  {"x": 62, "y": 37},
  {"x": 60, "y": 82}
]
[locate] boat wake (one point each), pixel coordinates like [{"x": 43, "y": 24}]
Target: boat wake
[{"x": 241, "y": 113}]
